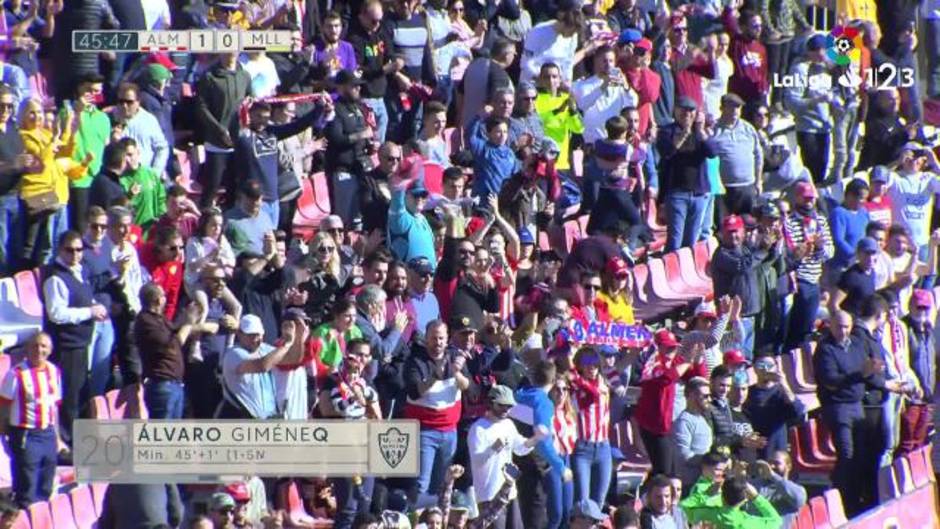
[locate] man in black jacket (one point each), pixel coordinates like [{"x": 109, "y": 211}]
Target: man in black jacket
[
  {"x": 14, "y": 162},
  {"x": 219, "y": 94},
  {"x": 371, "y": 38},
  {"x": 351, "y": 143},
  {"x": 734, "y": 273}
]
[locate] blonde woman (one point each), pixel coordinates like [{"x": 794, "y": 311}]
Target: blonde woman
[
  {"x": 617, "y": 291},
  {"x": 45, "y": 192},
  {"x": 327, "y": 278}
]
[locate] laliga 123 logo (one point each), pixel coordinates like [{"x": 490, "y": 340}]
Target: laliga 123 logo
[{"x": 844, "y": 48}]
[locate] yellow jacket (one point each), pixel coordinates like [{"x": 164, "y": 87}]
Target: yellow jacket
[
  {"x": 857, "y": 9},
  {"x": 619, "y": 308},
  {"x": 58, "y": 168}
]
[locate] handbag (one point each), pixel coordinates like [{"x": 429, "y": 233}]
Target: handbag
[
  {"x": 288, "y": 185},
  {"x": 42, "y": 203}
]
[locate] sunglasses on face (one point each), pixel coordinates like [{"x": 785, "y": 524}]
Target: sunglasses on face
[
  {"x": 591, "y": 286},
  {"x": 74, "y": 249},
  {"x": 325, "y": 249},
  {"x": 392, "y": 158},
  {"x": 98, "y": 226},
  {"x": 465, "y": 251}
]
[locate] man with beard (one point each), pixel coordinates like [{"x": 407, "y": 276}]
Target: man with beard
[
  {"x": 371, "y": 39},
  {"x": 885, "y": 134},
  {"x": 350, "y": 139},
  {"x": 330, "y": 54},
  {"x": 421, "y": 294},
  {"x": 810, "y": 245},
  {"x": 375, "y": 189},
  {"x": 409, "y": 233},
  {"x": 399, "y": 300},
  {"x": 493, "y": 440},
  {"x": 734, "y": 273}
]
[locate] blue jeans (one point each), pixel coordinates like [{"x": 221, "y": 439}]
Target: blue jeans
[
  {"x": 164, "y": 399},
  {"x": 437, "y": 452},
  {"x": 559, "y": 498},
  {"x": 377, "y": 105},
  {"x": 273, "y": 209},
  {"x": 32, "y": 464},
  {"x": 932, "y": 45},
  {"x": 592, "y": 470},
  {"x": 747, "y": 341},
  {"x": 802, "y": 314},
  {"x": 351, "y": 500},
  {"x": 685, "y": 214},
  {"x": 845, "y": 139},
  {"x": 99, "y": 372},
  {"x": 11, "y": 228},
  {"x": 708, "y": 218}
]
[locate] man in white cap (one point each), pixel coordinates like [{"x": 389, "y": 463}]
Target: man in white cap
[{"x": 248, "y": 386}]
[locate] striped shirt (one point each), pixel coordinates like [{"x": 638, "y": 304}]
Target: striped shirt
[
  {"x": 342, "y": 393},
  {"x": 34, "y": 395},
  {"x": 566, "y": 431},
  {"x": 800, "y": 228},
  {"x": 592, "y": 400}
]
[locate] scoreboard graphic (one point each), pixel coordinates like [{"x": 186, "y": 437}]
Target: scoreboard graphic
[{"x": 201, "y": 41}]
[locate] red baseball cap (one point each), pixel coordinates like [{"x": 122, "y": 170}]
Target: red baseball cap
[
  {"x": 643, "y": 44},
  {"x": 735, "y": 357},
  {"x": 616, "y": 266},
  {"x": 665, "y": 338},
  {"x": 921, "y": 298},
  {"x": 238, "y": 491},
  {"x": 732, "y": 223},
  {"x": 805, "y": 190},
  {"x": 163, "y": 60}
]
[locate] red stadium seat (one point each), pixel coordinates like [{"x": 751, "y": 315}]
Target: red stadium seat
[
  {"x": 902, "y": 471},
  {"x": 660, "y": 284},
  {"x": 6, "y": 479},
  {"x": 677, "y": 280},
  {"x": 703, "y": 258},
  {"x": 5, "y": 363},
  {"x": 61, "y": 507},
  {"x": 434, "y": 178},
  {"x": 83, "y": 507},
  {"x": 40, "y": 516},
  {"x": 826, "y": 444},
  {"x": 804, "y": 519},
  {"x": 813, "y": 436},
  {"x": 803, "y": 462},
  {"x": 690, "y": 273},
  {"x": 65, "y": 475},
  {"x": 888, "y": 487},
  {"x": 919, "y": 469},
  {"x": 22, "y": 521},
  {"x": 835, "y": 507},
  {"x": 127, "y": 403},
  {"x": 641, "y": 275},
  {"x": 820, "y": 512},
  {"x": 27, "y": 287},
  {"x": 651, "y": 220}
]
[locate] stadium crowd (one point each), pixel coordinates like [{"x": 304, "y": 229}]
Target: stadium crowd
[{"x": 459, "y": 144}]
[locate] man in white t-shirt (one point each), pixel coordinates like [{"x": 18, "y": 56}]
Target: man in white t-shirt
[
  {"x": 603, "y": 95},
  {"x": 492, "y": 441},
  {"x": 912, "y": 191}
]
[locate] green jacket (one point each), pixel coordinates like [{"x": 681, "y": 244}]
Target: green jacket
[
  {"x": 150, "y": 202},
  {"x": 92, "y": 136},
  {"x": 701, "y": 506}
]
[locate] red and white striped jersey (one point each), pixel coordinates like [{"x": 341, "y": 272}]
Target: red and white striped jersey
[
  {"x": 566, "y": 431},
  {"x": 34, "y": 395},
  {"x": 592, "y": 400}
]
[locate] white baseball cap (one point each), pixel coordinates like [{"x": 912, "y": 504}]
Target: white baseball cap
[{"x": 251, "y": 324}]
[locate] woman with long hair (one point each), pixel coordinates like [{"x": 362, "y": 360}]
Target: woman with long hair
[
  {"x": 326, "y": 279},
  {"x": 565, "y": 430},
  {"x": 334, "y": 335},
  {"x": 591, "y": 459},
  {"x": 617, "y": 291}
]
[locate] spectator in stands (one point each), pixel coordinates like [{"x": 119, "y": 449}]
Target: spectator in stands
[
  {"x": 431, "y": 137},
  {"x": 721, "y": 417},
  {"x": 810, "y": 245},
  {"x": 484, "y": 77},
  {"x": 143, "y": 186},
  {"x": 181, "y": 212},
  {"x": 682, "y": 150},
  {"x": 71, "y": 313},
  {"x": 656, "y": 404},
  {"x": 495, "y": 160},
  {"x": 493, "y": 441},
  {"x": 751, "y": 79},
  {"x": 734, "y": 273},
  {"x": 525, "y": 118},
  {"x": 738, "y": 148},
  {"x": 878, "y": 202},
  {"x": 848, "y": 222},
  {"x": 708, "y": 329},
  {"x": 383, "y": 332},
  {"x": 421, "y": 295},
  {"x": 330, "y": 53},
  {"x": 30, "y": 394},
  {"x": 351, "y": 139},
  {"x": 558, "y": 111},
  {"x": 591, "y": 458},
  {"x": 410, "y": 35},
  {"x": 409, "y": 233},
  {"x": 371, "y": 38},
  {"x": 15, "y": 164},
  {"x": 105, "y": 188},
  {"x": 246, "y": 225},
  {"x": 434, "y": 383},
  {"x": 143, "y": 506},
  {"x": 91, "y": 136},
  {"x": 736, "y": 492},
  {"x": 248, "y": 390},
  {"x": 155, "y": 99},
  {"x": 161, "y": 350},
  {"x": 857, "y": 283},
  {"x": 617, "y": 291},
  {"x": 692, "y": 430},
  {"x": 771, "y": 407},
  {"x": 348, "y": 395},
  {"x": 918, "y": 417},
  {"x": 603, "y": 95},
  {"x": 660, "y": 507},
  {"x": 811, "y": 108},
  {"x": 885, "y": 133},
  {"x": 772, "y": 479},
  {"x": 143, "y": 128},
  {"x": 218, "y": 95},
  {"x": 917, "y": 176},
  {"x": 222, "y": 510}
]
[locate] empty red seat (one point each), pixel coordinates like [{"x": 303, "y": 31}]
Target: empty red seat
[
  {"x": 651, "y": 214},
  {"x": 820, "y": 512},
  {"x": 888, "y": 487},
  {"x": 98, "y": 490},
  {"x": 902, "y": 471},
  {"x": 99, "y": 408},
  {"x": 835, "y": 508},
  {"x": 690, "y": 273},
  {"x": 21, "y": 521},
  {"x": 641, "y": 274},
  {"x": 813, "y": 437},
  {"x": 40, "y": 516},
  {"x": 61, "y": 507},
  {"x": 803, "y": 461},
  {"x": 679, "y": 282},
  {"x": 27, "y": 288},
  {"x": 313, "y": 204},
  {"x": 804, "y": 518},
  {"x": 5, "y": 362},
  {"x": 289, "y": 499},
  {"x": 434, "y": 178},
  {"x": 127, "y": 403},
  {"x": 703, "y": 259},
  {"x": 659, "y": 281},
  {"x": 83, "y": 507},
  {"x": 627, "y": 440}
]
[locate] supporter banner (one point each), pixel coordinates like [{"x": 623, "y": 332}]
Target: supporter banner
[
  {"x": 616, "y": 333},
  {"x": 190, "y": 451},
  {"x": 915, "y": 510}
]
